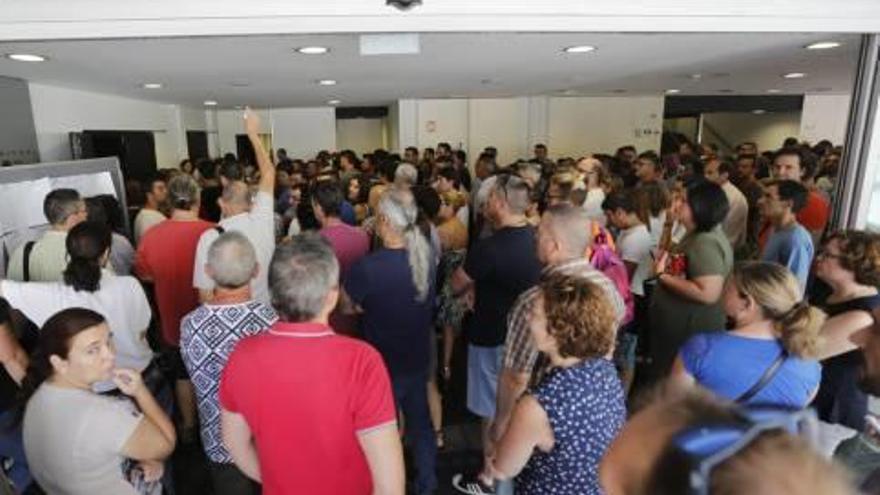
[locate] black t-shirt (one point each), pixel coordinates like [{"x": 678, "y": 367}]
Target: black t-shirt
[
  {"x": 502, "y": 267},
  {"x": 866, "y": 303},
  {"x": 210, "y": 210}
]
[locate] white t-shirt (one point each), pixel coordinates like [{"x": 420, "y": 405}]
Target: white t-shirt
[
  {"x": 73, "y": 440},
  {"x": 146, "y": 219},
  {"x": 258, "y": 225},
  {"x": 635, "y": 245},
  {"x": 593, "y": 205},
  {"x": 736, "y": 223},
  {"x": 47, "y": 261},
  {"x": 119, "y": 299}
]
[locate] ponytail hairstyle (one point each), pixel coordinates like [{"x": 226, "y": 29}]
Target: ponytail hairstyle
[
  {"x": 398, "y": 206},
  {"x": 776, "y": 290},
  {"x": 55, "y": 337},
  {"x": 86, "y": 245}
]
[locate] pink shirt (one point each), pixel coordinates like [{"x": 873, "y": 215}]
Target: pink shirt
[{"x": 349, "y": 244}]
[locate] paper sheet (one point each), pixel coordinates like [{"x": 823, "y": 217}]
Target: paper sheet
[
  {"x": 87, "y": 184},
  {"x": 21, "y": 204}
]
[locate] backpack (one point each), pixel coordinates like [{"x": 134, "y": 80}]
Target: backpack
[{"x": 604, "y": 258}]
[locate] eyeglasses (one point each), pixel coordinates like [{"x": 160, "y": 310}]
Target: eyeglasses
[
  {"x": 707, "y": 446},
  {"x": 828, "y": 256}
]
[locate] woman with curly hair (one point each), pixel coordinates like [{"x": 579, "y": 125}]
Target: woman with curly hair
[
  {"x": 768, "y": 358},
  {"x": 561, "y": 430},
  {"x": 849, "y": 263}
]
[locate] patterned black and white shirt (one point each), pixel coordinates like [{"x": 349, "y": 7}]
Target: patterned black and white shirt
[{"x": 208, "y": 336}]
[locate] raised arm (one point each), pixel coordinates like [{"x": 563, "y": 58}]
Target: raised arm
[{"x": 264, "y": 161}]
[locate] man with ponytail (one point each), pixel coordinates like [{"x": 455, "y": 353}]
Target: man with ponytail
[
  {"x": 768, "y": 357},
  {"x": 393, "y": 288}
]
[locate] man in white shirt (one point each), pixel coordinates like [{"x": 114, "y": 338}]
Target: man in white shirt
[
  {"x": 255, "y": 218},
  {"x": 736, "y": 223},
  {"x": 47, "y": 257},
  {"x": 150, "y": 215},
  {"x": 634, "y": 243}
]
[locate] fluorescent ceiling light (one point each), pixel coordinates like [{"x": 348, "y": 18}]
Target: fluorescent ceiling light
[
  {"x": 794, "y": 75},
  {"x": 333, "y": 102},
  {"x": 579, "y": 49},
  {"x": 673, "y": 91},
  {"x": 696, "y": 76},
  {"x": 327, "y": 82},
  {"x": 210, "y": 103},
  {"x": 152, "y": 85},
  {"x": 313, "y": 50},
  {"x": 774, "y": 91},
  {"x": 822, "y": 45},
  {"x": 26, "y": 57},
  {"x": 759, "y": 111}
]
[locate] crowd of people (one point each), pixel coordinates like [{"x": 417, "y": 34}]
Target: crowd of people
[{"x": 637, "y": 323}]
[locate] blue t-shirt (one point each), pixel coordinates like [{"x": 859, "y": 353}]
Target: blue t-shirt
[
  {"x": 394, "y": 321},
  {"x": 793, "y": 249},
  {"x": 729, "y": 365}
]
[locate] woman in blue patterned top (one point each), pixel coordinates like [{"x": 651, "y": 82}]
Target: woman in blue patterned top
[
  {"x": 770, "y": 324},
  {"x": 560, "y": 431}
]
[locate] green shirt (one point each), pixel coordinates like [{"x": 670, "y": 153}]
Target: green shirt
[{"x": 674, "y": 318}]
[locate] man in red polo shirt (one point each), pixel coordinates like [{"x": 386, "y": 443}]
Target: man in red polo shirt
[
  {"x": 790, "y": 164},
  {"x": 305, "y": 410}
]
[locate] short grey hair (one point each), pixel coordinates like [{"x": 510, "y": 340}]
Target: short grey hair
[
  {"x": 571, "y": 226},
  {"x": 232, "y": 259},
  {"x": 302, "y": 273},
  {"x": 406, "y": 175},
  {"x": 60, "y": 204},
  {"x": 184, "y": 192},
  {"x": 238, "y": 193}
]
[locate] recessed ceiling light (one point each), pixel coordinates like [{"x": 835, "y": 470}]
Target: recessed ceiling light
[
  {"x": 759, "y": 112},
  {"x": 673, "y": 91},
  {"x": 313, "y": 50},
  {"x": 579, "y": 49},
  {"x": 333, "y": 102},
  {"x": 210, "y": 103},
  {"x": 794, "y": 75},
  {"x": 152, "y": 85},
  {"x": 327, "y": 82},
  {"x": 26, "y": 57},
  {"x": 774, "y": 91},
  {"x": 822, "y": 45},
  {"x": 696, "y": 76}
]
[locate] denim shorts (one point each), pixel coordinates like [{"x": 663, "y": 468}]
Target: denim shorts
[{"x": 484, "y": 366}]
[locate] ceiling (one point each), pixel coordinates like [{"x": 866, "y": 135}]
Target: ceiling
[{"x": 264, "y": 71}]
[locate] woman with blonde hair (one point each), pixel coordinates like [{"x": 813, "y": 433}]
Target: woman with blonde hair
[
  {"x": 769, "y": 356},
  {"x": 598, "y": 185}
]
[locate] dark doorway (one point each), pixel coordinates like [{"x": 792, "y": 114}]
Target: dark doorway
[
  {"x": 245, "y": 150},
  {"x": 197, "y": 145},
  {"x": 136, "y": 150}
]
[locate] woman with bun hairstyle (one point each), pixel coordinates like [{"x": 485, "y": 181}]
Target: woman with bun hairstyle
[
  {"x": 768, "y": 356},
  {"x": 849, "y": 263}
]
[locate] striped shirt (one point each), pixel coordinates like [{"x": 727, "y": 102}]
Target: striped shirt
[{"x": 520, "y": 353}]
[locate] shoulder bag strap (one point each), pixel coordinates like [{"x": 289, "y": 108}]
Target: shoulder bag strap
[
  {"x": 762, "y": 382},
  {"x": 26, "y": 261}
]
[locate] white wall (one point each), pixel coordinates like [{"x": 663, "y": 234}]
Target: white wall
[
  {"x": 824, "y": 117},
  {"x": 303, "y": 132},
  {"x": 58, "y": 111},
  {"x": 18, "y": 138},
  {"x": 502, "y": 123},
  {"x": 768, "y": 130},
  {"x": 439, "y": 121},
  {"x": 578, "y": 126},
  {"x": 361, "y": 135}
]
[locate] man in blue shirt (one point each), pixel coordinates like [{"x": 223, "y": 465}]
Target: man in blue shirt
[{"x": 790, "y": 243}]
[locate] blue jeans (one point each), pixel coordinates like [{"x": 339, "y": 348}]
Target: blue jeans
[
  {"x": 411, "y": 395},
  {"x": 12, "y": 447}
]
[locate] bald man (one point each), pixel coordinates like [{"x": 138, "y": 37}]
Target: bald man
[{"x": 247, "y": 212}]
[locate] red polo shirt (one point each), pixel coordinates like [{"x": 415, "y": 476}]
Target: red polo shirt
[{"x": 305, "y": 393}]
